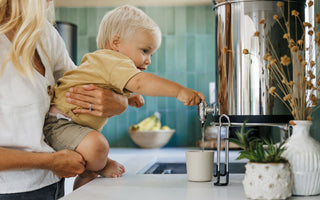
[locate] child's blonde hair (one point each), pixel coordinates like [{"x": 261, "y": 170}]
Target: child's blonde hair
[
  {"x": 124, "y": 21},
  {"x": 24, "y": 18}
]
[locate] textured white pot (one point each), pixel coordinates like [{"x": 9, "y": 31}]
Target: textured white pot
[
  {"x": 267, "y": 181},
  {"x": 303, "y": 153}
]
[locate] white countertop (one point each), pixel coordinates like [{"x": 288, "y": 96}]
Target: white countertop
[{"x": 137, "y": 186}]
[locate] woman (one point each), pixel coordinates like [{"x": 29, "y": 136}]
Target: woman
[{"x": 33, "y": 57}]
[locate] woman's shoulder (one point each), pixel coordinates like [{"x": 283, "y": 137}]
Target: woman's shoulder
[
  {"x": 50, "y": 35},
  {"x": 54, "y": 47}
]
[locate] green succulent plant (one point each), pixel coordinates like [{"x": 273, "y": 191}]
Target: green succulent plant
[{"x": 256, "y": 149}]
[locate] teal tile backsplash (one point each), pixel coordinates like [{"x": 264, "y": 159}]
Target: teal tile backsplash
[{"x": 186, "y": 56}]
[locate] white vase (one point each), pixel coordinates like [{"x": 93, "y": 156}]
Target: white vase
[
  {"x": 267, "y": 181},
  {"x": 303, "y": 153}
]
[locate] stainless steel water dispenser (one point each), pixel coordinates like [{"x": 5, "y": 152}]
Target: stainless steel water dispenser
[{"x": 242, "y": 79}]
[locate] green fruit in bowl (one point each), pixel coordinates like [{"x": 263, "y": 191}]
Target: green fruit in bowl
[{"x": 165, "y": 128}]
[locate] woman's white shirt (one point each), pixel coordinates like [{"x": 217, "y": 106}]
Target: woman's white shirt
[{"x": 23, "y": 107}]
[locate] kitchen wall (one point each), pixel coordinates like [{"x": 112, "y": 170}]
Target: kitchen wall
[
  {"x": 185, "y": 56},
  {"x": 315, "y": 129}
]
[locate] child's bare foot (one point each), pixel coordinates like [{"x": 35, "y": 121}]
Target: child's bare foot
[{"x": 113, "y": 169}]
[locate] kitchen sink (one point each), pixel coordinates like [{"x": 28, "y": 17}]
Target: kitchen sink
[{"x": 180, "y": 168}]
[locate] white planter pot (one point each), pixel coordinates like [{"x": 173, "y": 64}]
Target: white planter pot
[
  {"x": 303, "y": 153},
  {"x": 268, "y": 181}
]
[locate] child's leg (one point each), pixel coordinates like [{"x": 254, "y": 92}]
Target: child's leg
[
  {"x": 91, "y": 144},
  {"x": 95, "y": 148},
  {"x": 84, "y": 178}
]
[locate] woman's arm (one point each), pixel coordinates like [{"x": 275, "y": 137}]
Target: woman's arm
[
  {"x": 152, "y": 85},
  {"x": 104, "y": 102},
  {"x": 65, "y": 163}
]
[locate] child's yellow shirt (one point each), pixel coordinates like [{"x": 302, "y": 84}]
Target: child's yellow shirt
[{"x": 104, "y": 68}]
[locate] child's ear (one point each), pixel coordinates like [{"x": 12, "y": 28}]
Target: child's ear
[{"x": 114, "y": 44}]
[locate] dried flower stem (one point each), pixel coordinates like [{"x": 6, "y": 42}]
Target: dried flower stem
[{"x": 300, "y": 86}]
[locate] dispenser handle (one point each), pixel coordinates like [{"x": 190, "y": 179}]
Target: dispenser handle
[{"x": 226, "y": 171}]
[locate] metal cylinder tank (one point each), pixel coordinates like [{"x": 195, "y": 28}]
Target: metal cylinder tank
[
  {"x": 242, "y": 79},
  {"x": 68, "y": 32}
]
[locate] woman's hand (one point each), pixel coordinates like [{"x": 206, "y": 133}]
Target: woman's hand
[
  {"x": 67, "y": 163},
  {"x": 104, "y": 102}
]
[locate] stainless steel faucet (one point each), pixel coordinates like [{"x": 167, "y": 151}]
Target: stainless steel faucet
[{"x": 204, "y": 110}]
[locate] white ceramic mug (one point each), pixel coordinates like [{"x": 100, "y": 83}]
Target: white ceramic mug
[{"x": 199, "y": 165}]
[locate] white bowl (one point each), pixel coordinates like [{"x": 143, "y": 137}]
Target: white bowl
[{"x": 151, "y": 139}]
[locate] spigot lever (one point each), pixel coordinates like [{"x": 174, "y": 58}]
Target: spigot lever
[{"x": 204, "y": 110}]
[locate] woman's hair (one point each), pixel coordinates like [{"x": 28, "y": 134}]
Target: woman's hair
[
  {"x": 124, "y": 21},
  {"x": 25, "y": 19}
]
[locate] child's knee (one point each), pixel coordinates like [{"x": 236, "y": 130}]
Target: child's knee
[
  {"x": 94, "y": 144},
  {"x": 99, "y": 144}
]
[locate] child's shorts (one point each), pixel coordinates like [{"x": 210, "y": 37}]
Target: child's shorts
[{"x": 64, "y": 134}]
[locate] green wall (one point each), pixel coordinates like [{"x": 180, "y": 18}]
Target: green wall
[
  {"x": 315, "y": 129},
  {"x": 185, "y": 56}
]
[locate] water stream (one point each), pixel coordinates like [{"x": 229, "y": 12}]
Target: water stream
[{"x": 202, "y": 136}]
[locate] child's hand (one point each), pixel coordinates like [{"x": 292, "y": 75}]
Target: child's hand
[
  {"x": 190, "y": 97},
  {"x": 136, "y": 100}
]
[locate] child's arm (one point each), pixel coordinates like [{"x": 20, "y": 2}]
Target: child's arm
[{"x": 151, "y": 85}]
